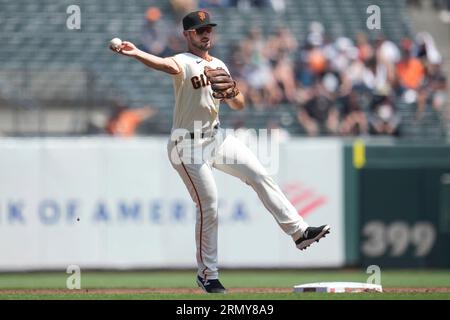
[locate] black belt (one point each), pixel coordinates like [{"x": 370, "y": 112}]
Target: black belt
[{"x": 205, "y": 134}]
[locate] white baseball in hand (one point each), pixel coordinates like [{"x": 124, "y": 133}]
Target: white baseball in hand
[{"x": 115, "y": 43}]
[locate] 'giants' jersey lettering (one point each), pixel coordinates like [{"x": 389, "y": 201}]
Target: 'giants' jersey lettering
[{"x": 202, "y": 82}]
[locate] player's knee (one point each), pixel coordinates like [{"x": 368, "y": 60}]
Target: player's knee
[{"x": 209, "y": 201}]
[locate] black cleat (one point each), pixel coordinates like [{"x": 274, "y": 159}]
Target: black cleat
[
  {"x": 211, "y": 286},
  {"x": 312, "y": 234}
]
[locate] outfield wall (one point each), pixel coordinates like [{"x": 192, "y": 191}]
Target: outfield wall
[
  {"x": 134, "y": 211},
  {"x": 397, "y": 204}
]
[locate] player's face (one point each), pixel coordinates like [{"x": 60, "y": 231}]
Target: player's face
[{"x": 201, "y": 38}]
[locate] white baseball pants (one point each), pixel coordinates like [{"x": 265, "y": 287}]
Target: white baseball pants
[{"x": 194, "y": 161}]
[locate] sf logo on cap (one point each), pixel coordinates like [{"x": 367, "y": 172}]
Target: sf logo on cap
[{"x": 202, "y": 15}]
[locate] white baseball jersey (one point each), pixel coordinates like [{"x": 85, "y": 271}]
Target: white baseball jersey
[{"x": 193, "y": 94}]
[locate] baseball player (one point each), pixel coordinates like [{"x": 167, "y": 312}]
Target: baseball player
[{"x": 198, "y": 144}]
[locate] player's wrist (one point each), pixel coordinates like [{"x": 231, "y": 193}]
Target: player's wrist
[{"x": 139, "y": 54}]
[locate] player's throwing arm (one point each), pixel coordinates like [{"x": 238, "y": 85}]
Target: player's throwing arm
[{"x": 127, "y": 48}]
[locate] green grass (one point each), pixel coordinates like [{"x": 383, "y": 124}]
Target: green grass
[
  {"x": 235, "y": 296},
  {"x": 231, "y": 279}
]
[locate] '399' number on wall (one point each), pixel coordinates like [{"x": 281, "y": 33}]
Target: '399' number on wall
[{"x": 396, "y": 237}]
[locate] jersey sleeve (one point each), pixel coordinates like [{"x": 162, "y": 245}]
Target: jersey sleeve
[{"x": 181, "y": 65}]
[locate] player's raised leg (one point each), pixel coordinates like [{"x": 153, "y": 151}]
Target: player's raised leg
[{"x": 236, "y": 159}]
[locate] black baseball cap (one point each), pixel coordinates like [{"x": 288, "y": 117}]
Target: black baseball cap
[{"x": 197, "y": 19}]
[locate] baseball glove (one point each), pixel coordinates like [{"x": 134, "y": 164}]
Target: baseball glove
[{"x": 223, "y": 86}]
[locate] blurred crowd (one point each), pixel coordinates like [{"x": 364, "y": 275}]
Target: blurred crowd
[{"x": 338, "y": 86}]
